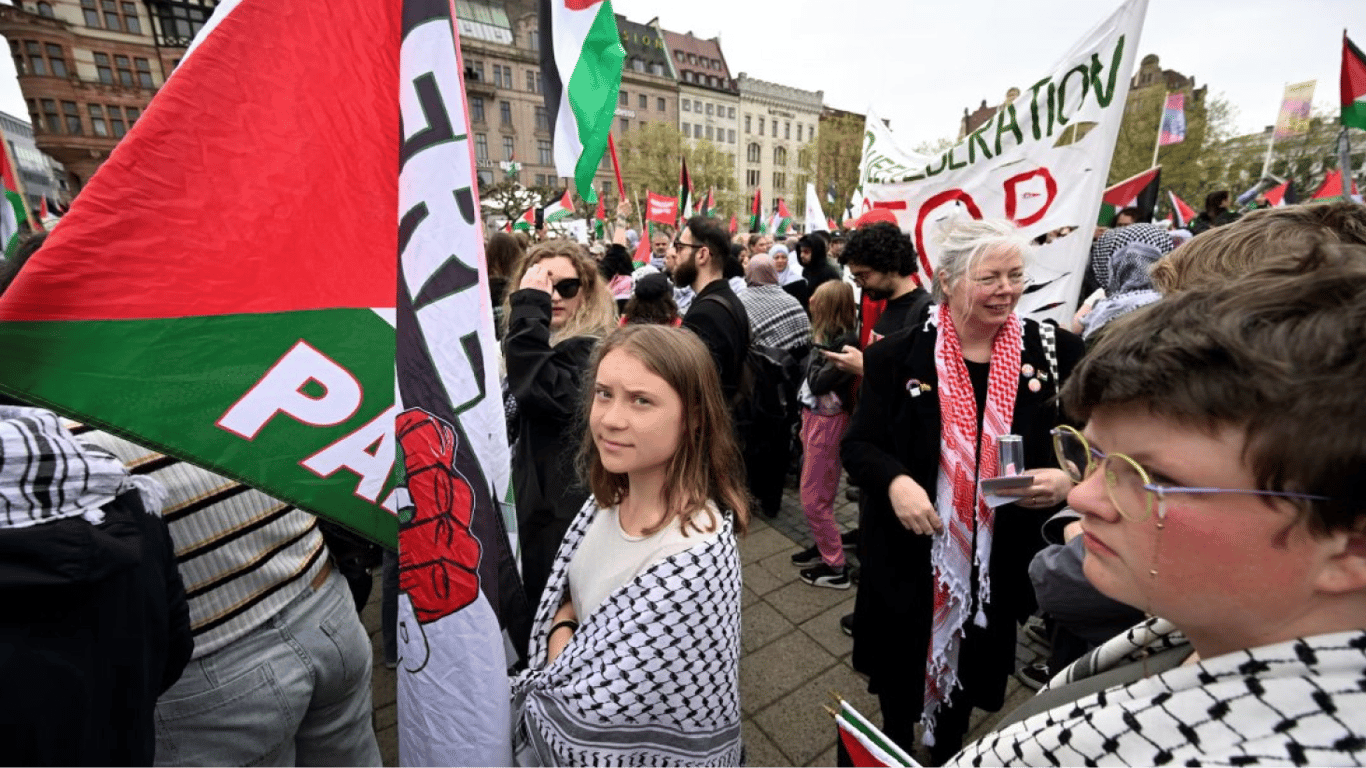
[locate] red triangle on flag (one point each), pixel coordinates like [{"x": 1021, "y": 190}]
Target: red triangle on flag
[{"x": 283, "y": 207}]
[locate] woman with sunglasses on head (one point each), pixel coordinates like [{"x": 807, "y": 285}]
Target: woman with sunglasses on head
[
  {"x": 635, "y": 651},
  {"x": 1220, "y": 491},
  {"x": 561, "y": 310},
  {"x": 944, "y": 576}
]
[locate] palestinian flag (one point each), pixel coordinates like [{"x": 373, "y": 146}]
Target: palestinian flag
[
  {"x": 581, "y": 62},
  {"x": 708, "y": 204},
  {"x": 12, "y": 210},
  {"x": 1353, "y": 84},
  {"x": 1282, "y": 195},
  {"x": 756, "y": 223},
  {"x": 600, "y": 221},
  {"x": 684, "y": 191},
  {"x": 1138, "y": 191},
  {"x": 1331, "y": 189},
  {"x": 867, "y": 746},
  {"x": 559, "y": 209},
  {"x": 282, "y": 344},
  {"x": 642, "y": 255},
  {"x": 1182, "y": 214},
  {"x": 782, "y": 219},
  {"x": 524, "y": 223}
]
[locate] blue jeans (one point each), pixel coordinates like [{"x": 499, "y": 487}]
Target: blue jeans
[{"x": 294, "y": 691}]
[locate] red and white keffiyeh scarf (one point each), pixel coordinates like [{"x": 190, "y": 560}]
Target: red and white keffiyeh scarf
[{"x": 957, "y": 502}]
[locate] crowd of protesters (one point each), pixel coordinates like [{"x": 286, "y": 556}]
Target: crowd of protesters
[{"x": 1185, "y": 510}]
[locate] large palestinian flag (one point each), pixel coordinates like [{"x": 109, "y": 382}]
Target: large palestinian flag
[
  {"x": 301, "y": 309},
  {"x": 1138, "y": 191},
  {"x": 1353, "y": 84},
  {"x": 581, "y": 61}
]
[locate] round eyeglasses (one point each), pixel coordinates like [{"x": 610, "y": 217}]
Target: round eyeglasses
[{"x": 1130, "y": 487}]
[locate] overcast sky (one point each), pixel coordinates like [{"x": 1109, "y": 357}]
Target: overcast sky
[{"x": 920, "y": 62}]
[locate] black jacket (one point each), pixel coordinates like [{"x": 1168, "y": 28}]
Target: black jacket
[
  {"x": 724, "y": 331},
  {"x": 893, "y": 433},
  {"x": 546, "y": 383},
  {"x": 823, "y": 376},
  {"x": 94, "y": 627}
]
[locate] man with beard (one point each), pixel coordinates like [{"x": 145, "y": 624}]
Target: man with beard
[
  {"x": 716, "y": 314},
  {"x": 659, "y": 248},
  {"x": 882, "y": 261}
]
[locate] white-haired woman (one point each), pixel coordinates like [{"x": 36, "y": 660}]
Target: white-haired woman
[{"x": 945, "y": 576}]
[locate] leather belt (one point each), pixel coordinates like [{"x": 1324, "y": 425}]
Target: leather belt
[{"x": 321, "y": 578}]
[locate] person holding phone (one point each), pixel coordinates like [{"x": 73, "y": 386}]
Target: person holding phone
[
  {"x": 945, "y": 576},
  {"x": 560, "y": 311}
]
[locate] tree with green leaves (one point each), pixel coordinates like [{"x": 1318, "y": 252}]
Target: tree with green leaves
[
  {"x": 650, "y": 157},
  {"x": 836, "y": 153}
]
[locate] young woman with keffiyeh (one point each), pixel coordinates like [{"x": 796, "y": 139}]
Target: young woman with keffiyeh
[
  {"x": 944, "y": 576},
  {"x": 635, "y": 651}
]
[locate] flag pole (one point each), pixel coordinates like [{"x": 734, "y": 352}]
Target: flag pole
[
  {"x": 616, "y": 167},
  {"x": 1345, "y": 163},
  {"x": 1266, "y": 164},
  {"x": 1158, "y": 143}
]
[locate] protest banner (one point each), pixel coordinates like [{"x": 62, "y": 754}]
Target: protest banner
[{"x": 1041, "y": 162}]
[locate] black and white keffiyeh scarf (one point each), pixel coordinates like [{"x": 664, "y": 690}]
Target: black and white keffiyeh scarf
[
  {"x": 45, "y": 475},
  {"x": 652, "y": 676},
  {"x": 1301, "y": 702}
]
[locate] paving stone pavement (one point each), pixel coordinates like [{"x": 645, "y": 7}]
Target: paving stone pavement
[{"x": 793, "y": 653}]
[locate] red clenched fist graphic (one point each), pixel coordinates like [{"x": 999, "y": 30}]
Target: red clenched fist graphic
[{"x": 438, "y": 557}]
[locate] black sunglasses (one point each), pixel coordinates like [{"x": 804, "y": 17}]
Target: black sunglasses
[
  {"x": 568, "y": 289},
  {"x": 680, "y": 245}
]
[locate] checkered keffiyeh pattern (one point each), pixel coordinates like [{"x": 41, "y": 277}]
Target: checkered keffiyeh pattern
[
  {"x": 1301, "y": 702},
  {"x": 968, "y": 521},
  {"x": 45, "y": 475},
  {"x": 776, "y": 318}
]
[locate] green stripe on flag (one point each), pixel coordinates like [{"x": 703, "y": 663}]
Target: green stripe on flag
[
  {"x": 592, "y": 91},
  {"x": 1354, "y": 114},
  {"x": 166, "y": 383}
]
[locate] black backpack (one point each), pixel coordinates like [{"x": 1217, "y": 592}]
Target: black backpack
[{"x": 766, "y": 395}]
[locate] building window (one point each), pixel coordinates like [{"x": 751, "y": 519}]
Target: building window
[
  {"x": 97, "y": 123},
  {"x": 761, "y": 126},
  {"x": 45, "y": 10},
  {"x": 116, "y": 122},
  {"x": 504, "y": 113},
  {"x": 507, "y": 147},
  {"x": 623, "y": 98},
  {"x": 481, "y": 147},
  {"x": 752, "y": 153},
  {"x": 730, "y": 136},
  {"x": 660, "y": 104},
  {"x": 748, "y": 127},
  {"x": 637, "y": 64},
  {"x": 804, "y": 158},
  {"x": 541, "y": 180},
  {"x": 687, "y": 76},
  {"x": 687, "y": 105},
  {"x": 106, "y": 73},
  {"x": 531, "y": 81},
  {"x": 787, "y": 129},
  {"x": 730, "y": 112},
  {"x": 56, "y": 59},
  {"x": 625, "y": 125},
  {"x": 534, "y": 40},
  {"x": 54, "y": 121},
  {"x": 73, "y": 118},
  {"x": 178, "y": 21},
  {"x": 779, "y": 181},
  {"x": 144, "y": 72},
  {"x": 692, "y": 59},
  {"x": 696, "y": 131},
  {"x": 643, "y": 101},
  {"x": 696, "y": 105},
  {"x": 687, "y": 130},
  {"x": 542, "y": 119},
  {"x": 130, "y": 18},
  {"x": 477, "y": 109},
  {"x": 132, "y": 113},
  {"x": 752, "y": 177},
  {"x": 125, "y": 71},
  {"x": 37, "y": 65},
  {"x": 710, "y": 110},
  {"x": 111, "y": 15},
  {"x": 711, "y": 134},
  {"x": 780, "y": 156},
  {"x": 474, "y": 70},
  {"x": 92, "y": 14},
  {"x": 544, "y": 154}
]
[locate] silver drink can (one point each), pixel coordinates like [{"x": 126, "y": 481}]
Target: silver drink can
[{"x": 1009, "y": 455}]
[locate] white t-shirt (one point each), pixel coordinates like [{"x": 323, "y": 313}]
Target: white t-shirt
[{"x": 608, "y": 557}]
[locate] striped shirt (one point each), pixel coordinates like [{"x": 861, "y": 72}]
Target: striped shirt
[{"x": 242, "y": 555}]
